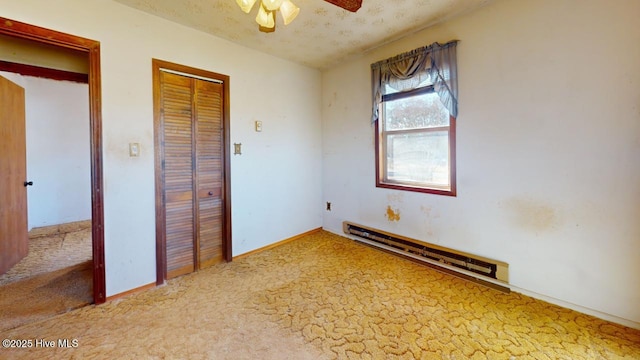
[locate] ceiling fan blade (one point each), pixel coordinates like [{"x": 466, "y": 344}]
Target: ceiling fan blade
[{"x": 350, "y": 5}]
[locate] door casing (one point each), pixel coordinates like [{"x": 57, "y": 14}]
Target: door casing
[{"x": 41, "y": 35}]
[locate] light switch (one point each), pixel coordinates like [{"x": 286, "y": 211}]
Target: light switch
[
  {"x": 258, "y": 126},
  {"x": 134, "y": 149}
]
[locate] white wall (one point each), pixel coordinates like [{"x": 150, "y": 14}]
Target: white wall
[
  {"x": 548, "y": 146},
  {"x": 58, "y": 162},
  {"x": 276, "y": 183}
]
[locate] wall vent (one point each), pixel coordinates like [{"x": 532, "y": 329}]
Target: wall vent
[{"x": 471, "y": 267}]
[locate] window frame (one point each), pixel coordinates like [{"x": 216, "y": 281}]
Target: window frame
[{"x": 381, "y": 182}]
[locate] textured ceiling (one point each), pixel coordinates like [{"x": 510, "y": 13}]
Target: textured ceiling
[{"x": 322, "y": 34}]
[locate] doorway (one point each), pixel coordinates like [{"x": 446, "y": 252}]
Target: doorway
[
  {"x": 193, "y": 196},
  {"x": 46, "y": 37}
]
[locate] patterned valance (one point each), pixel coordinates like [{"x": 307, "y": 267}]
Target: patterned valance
[{"x": 406, "y": 71}]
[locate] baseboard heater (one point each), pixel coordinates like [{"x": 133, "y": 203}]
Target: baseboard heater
[{"x": 478, "y": 269}]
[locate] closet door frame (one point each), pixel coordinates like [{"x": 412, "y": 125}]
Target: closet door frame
[{"x": 161, "y": 241}]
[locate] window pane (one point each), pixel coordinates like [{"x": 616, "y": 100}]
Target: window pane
[
  {"x": 419, "y": 111},
  {"x": 419, "y": 158}
]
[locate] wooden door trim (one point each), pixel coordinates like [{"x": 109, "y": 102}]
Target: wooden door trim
[
  {"x": 161, "y": 241},
  {"x": 196, "y": 179},
  {"x": 42, "y": 72},
  {"x": 92, "y": 48}
]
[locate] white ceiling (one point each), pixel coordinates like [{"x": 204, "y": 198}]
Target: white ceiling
[{"x": 322, "y": 34}]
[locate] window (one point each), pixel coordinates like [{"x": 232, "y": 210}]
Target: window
[
  {"x": 415, "y": 148},
  {"x": 415, "y": 129}
]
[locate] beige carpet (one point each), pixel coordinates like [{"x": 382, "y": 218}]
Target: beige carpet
[
  {"x": 45, "y": 295},
  {"x": 52, "y": 248},
  {"x": 325, "y": 296},
  {"x": 55, "y": 277}
]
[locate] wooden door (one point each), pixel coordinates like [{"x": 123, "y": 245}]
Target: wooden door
[
  {"x": 192, "y": 172},
  {"x": 177, "y": 114},
  {"x": 14, "y": 241},
  {"x": 208, "y": 150}
]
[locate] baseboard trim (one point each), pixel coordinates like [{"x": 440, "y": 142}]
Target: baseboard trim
[
  {"x": 48, "y": 230},
  {"x": 567, "y": 305},
  {"x": 241, "y": 256},
  {"x": 276, "y": 244},
  {"x": 578, "y": 308},
  {"x": 132, "y": 291}
]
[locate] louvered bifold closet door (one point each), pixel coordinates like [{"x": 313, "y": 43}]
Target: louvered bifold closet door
[
  {"x": 193, "y": 172},
  {"x": 177, "y": 109},
  {"x": 209, "y": 139}
]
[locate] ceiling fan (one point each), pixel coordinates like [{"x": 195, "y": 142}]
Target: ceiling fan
[
  {"x": 266, "y": 18},
  {"x": 350, "y": 5}
]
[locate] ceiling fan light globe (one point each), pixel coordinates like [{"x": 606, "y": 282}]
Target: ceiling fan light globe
[
  {"x": 289, "y": 11},
  {"x": 246, "y": 5},
  {"x": 272, "y": 5},
  {"x": 266, "y": 18}
]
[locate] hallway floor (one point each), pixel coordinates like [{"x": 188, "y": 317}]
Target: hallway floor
[
  {"x": 52, "y": 248},
  {"x": 56, "y": 276}
]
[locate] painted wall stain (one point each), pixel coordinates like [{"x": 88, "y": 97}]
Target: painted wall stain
[
  {"x": 395, "y": 198},
  {"x": 335, "y": 98},
  {"x": 426, "y": 210},
  {"x": 532, "y": 215},
  {"x": 393, "y": 215}
]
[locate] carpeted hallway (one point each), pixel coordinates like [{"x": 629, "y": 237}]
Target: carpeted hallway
[
  {"x": 325, "y": 296},
  {"x": 55, "y": 277},
  {"x": 52, "y": 248}
]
